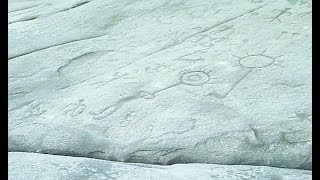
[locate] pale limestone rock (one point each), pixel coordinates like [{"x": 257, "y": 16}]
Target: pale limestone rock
[
  {"x": 34, "y": 166},
  {"x": 162, "y": 82}
]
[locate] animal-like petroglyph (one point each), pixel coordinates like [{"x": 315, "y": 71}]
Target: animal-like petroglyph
[
  {"x": 40, "y": 108},
  {"x": 249, "y": 62},
  {"x": 128, "y": 119},
  {"x": 74, "y": 109},
  {"x": 281, "y": 12}
]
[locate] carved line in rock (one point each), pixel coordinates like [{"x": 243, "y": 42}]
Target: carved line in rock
[
  {"x": 188, "y": 77},
  {"x": 250, "y": 62},
  {"x": 256, "y": 60},
  {"x": 215, "y": 36},
  {"x": 13, "y": 95},
  {"x": 306, "y": 13},
  {"x": 256, "y": 1},
  {"x": 35, "y": 16},
  {"x": 24, "y": 19},
  {"x": 133, "y": 157},
  {"x": 56, "y": 45},
  {"x": 289, "y": 85},
  {"x": 23, "y": 8},
  {"x": 69, "y": 8},
  {"x": 185, "y": 57},
  {"x": 175, "y": 43},
  {"x": 293, "y": 34},
  {"x": 281, "y": 12},
  {"x": 38, "y": 108},
  {"x": 84, "y": 57},
  {"x": 195, "y": 78},
  {"x": 36, "y": 8}
]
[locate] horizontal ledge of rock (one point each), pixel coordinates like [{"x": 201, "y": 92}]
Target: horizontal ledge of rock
[{"x": 44, "y": 166}]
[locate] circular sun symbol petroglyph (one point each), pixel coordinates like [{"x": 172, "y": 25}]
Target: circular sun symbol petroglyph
[
  {"x": 195, "y": 77},
  {"x": 257, "y": 60}
]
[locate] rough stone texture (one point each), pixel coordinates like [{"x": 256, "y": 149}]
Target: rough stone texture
[
  {"x": 29, "y": 166},
  {"x": 162, "y": 82}
]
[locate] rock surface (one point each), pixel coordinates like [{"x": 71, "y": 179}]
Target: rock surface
[
  {"x": 162, "y": 81},
  {"x": 42, "y": 166}
]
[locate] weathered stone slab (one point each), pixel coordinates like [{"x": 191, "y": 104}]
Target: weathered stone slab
[
  {"x": 162, "y": 82},
  {"x": 34, "y": 166}
]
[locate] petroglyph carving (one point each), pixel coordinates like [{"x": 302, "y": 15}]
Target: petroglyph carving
[
  {"x": 74, "y": 109},
  {"x": 194, "y": 78},
  {"x": 253, "y": 61},
  {"x": 256, "y": 60},
  {"x": 281, "y": 12},
  {"x": 289, "y": 84},
  {"x": 103, "y": 113},
  {"x": 214, "y": 36},
  {"x": 128, "y": 119},
  {"x": 146, "y": 95},
  {"x": 222, "y": 96},
  {"x": 41, "y": 108},
  {"x": 193, "y": 57},
  {"x": 197, "y": 77},
  {"x": 158, "y": 68},
  {"x": 249, "y": 62}
]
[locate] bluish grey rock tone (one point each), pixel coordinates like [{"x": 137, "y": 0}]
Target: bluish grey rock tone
[
  {"x": 162, "y": 81},
  {"x": 26, "y": 166}
]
